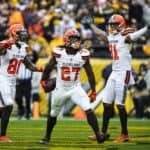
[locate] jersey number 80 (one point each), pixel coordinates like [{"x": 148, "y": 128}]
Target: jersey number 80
[{"x": 13, "y": 66}]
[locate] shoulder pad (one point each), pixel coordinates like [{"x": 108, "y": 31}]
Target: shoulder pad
[
  {"x": 57, "y": 52},
  {"x": 85, "y": 54},
  {"x": 23, "y": 44},
  {"x": 127, "y": 31}
]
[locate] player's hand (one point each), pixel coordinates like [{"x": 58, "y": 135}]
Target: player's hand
[
  {"x": 40, "y": 69},
  {"x": 148, "y": 27},
  {"x": 92, "y": 96},
  {"x": 7, "y": 44},
  {"x": 48, "y": 85},
  {"x": 88, "y": 19}
]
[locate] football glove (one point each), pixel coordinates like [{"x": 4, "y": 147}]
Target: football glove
[
  {"x": 40, "y": 69},
  {"x": 48, "y": 85},
  {"x": 92, "y": 96},
  {"x": 88, "y": 19}
]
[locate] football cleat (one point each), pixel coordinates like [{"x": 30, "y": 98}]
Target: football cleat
[
  {"x": 93, "y": 137},
  {"x": 101, "y": 138},
  {"x": 122, "y": 138},
  {"x": 44, "y": 141},
  {"x": 5, "y": 139}
]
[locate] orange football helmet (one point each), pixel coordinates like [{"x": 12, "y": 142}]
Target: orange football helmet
[
  {"x": 15, "y": 30},
  {"x": 72, "y": 38},
  {"x": 116, "y": 23}
]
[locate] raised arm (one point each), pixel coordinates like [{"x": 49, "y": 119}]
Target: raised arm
[
  {"x": 102, "y": 35},
  {"x": 134, "y": 36}
]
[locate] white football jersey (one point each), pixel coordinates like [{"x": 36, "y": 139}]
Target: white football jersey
[
  {"x": 69, "y": 67},
  {"x": 120, "y": 51},
  {"x": 10, "y": 62}
]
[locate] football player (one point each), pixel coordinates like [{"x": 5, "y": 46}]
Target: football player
[
  {"x": 69, "y": 61},
  {"x": 120, "y": 41},
  {"x": 13, "y": 52}
]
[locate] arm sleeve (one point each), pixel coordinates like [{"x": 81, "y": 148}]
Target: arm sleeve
[
  {"x": 138, "y": 33},
  {"x": 85, "y": 54}
]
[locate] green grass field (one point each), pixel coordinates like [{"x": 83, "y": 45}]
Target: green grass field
[{"x": 72, "y": 134}]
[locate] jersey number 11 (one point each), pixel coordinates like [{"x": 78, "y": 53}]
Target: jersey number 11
[{"x": 113, "y": 51}]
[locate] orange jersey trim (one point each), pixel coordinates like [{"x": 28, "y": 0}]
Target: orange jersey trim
[
  {"x": 127, "y": 77},
  {"x": 128, "y": 31}
]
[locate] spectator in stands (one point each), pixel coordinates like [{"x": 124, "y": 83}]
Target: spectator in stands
[
  {"x": 136, "y": 12},
  {"x": 83, "y": 11},
  {"x": 140, "y": 91},
  {"x": 16, "y": 17},
  {"x": 146, "y": 11},
  {"x": 21, "y": 5},
  {"x": 38, "y": 44},
  {"x": 34, "y": 23},
  {"x": 65, "y": 24},
  {"x": 56, "y": 41},
  {"x": 51, "y": 20},
  {"x": 3, "y": 23}
]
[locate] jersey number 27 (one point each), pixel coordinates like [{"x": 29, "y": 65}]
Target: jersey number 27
[{"x": 66, "y": 73}]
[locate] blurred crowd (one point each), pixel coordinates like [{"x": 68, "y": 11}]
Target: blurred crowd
[
  {"x": 140, "y": 92},
  {"x": 47, "y": 20}
]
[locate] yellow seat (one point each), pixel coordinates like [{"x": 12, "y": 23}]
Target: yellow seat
[
  {"x": 56, "y": 22},
  {"x": 99, "y": 20},
  {"x": 146, "y": 49},
  {"x": 78, "y": 25}
]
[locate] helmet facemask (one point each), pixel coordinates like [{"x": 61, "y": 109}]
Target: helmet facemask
[
  {"x": 113, "y": 28},
  {"x": 74, "y": 42},
  {"x": 22, "y": 35},
  {"x": 116, "y": 24}
]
